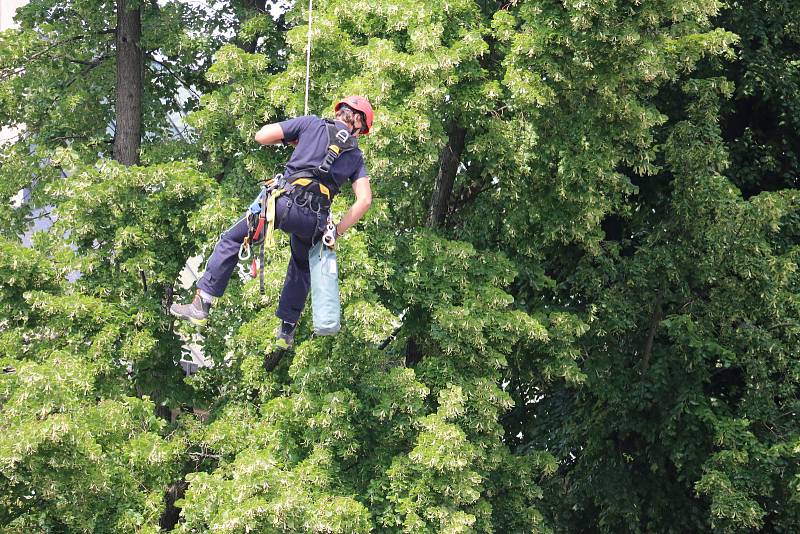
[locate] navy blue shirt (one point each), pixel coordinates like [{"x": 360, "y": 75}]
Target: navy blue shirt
[{"x": 312, "y": 135}]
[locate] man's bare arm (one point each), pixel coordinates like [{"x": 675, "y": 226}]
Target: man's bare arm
[
  {"x": 363, "y": 201},
  {"x": 271, "y": 134}
]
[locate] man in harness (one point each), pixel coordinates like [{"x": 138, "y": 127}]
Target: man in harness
[{"x": 325, "y": 158}]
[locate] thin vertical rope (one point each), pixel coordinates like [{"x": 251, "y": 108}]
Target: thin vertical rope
[{"x": 308, "y": 53}]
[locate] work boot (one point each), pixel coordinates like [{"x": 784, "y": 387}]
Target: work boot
[
  {"x": 196, "y": 312},
  {"x": 284, "y": 337}
]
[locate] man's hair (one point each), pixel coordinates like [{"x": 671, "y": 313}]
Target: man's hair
[{"x": 348, "y": 115}]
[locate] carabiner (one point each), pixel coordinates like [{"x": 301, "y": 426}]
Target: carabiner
[
  {"x": 329, "y": 236},
  {"x": 244, "y": 249}
]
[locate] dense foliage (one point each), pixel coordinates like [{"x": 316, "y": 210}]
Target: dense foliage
[{"x": 574, "y": 305}]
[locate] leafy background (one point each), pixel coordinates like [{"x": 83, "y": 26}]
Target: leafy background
[{"x": 573, "y": 307}]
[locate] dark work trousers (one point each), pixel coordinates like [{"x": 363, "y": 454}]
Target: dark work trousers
[{"x": 305, "y": 228}]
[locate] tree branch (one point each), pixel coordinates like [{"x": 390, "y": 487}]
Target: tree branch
[
  {"x": 385, "y": 342},
  {"x": 469, "y": 193},
  {"x": 88, "y": 63},
  {"x": 20, "y": 68},
  {"x": 449, "y": 161},
  {"x": 655, "y": 319},
  {"x": 166, "y": 67},
  {"x": 90, "y": 67},
  {"x": 260, "y": 7}
]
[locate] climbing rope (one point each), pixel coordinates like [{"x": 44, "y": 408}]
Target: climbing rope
[{"x": 308, "y": 53}]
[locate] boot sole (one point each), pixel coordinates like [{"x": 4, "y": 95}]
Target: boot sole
[
  {"x": 196, "y": 322},
  {"x": 281, "y": 344}
]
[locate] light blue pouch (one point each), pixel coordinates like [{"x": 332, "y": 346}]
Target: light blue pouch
[
  {"x": 325, "y": 306},
  {"x": 255, "y": 207}
]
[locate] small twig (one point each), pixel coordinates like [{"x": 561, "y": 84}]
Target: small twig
[
  {"x": 499, "y": 111},
  {"x": 166, "y": 67},
  {"x": 175, "y": 127},
  {"x": 203, "y": 455},
  {"x": 38, "y": 216},
  {"x": 780, "y": 325},
  {"x": 385, "y": 342}
]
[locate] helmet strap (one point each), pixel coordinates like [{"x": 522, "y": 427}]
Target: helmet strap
[{"x": 352, "y": 119}]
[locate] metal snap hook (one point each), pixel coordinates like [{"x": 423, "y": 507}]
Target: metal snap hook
[
  {"x": 244, "y": 250},
  {"x": 299, "y": 198}
]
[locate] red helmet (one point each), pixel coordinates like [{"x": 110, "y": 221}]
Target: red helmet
[{"x": 358, "y": 103}]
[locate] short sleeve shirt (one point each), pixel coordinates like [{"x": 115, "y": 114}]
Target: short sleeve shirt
[{"x": 311, "y": 134}]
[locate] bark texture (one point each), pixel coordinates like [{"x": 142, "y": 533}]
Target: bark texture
[
  {"x": 448, "y": 166},
  {"x": 130, "y": 66},
  {"x": 171, "y": 514}
]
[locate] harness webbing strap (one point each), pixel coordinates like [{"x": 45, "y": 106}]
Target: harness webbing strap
[
  {"x": 339, "y": 142},
  {"x": 261, "y": 269},
  {"x": 269, "y": 238},
  {"x": 259, "y": 228},
  {"x": 305, "y": 182},
  {"x": 268, "y": 215}
]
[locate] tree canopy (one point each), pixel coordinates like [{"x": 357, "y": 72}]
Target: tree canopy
[{"x": 573, "y": 306}]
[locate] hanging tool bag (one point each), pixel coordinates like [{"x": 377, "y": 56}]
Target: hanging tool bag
[{"x": 325, "y": 306}]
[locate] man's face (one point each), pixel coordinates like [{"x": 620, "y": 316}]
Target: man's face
[{"x": 360, "y": 123}]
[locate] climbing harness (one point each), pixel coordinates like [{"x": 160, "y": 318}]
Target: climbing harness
[
  {"x": 339, "y": 142},
  {"x": 304, "y": 192}
]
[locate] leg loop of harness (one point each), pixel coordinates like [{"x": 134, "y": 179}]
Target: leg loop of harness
[
  {"x": 252, "y": 211},
  {"x": 265, "y": 207},
  {"x": 257, "y": 219}
]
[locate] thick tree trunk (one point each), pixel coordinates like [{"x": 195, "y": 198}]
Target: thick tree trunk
[
  {"x": 655, "y": 319},
  {"x": 171, "y": 514},
  {"x": 413, "y": 354},
  {"x": 449, "y": 161},
  {"x": 448, "y": 166},
  {"x": 128, "y": 132},
  {"x": 272, "y": 359}
]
